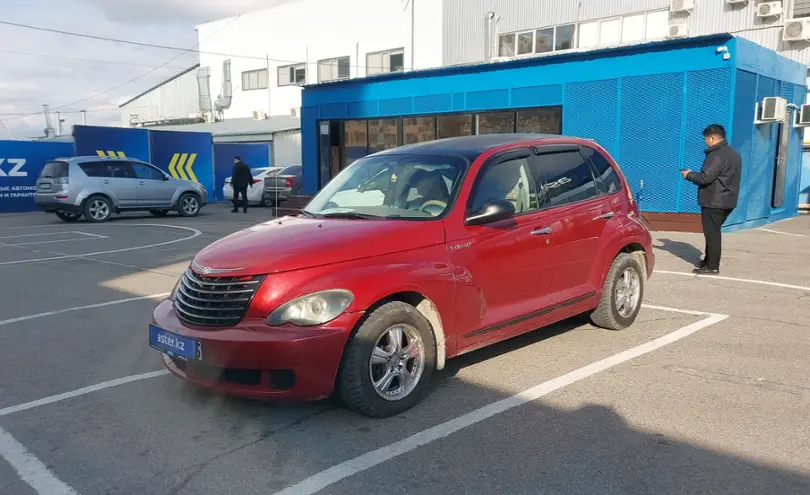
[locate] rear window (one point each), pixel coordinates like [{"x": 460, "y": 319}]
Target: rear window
[
  {"x": 291, "y": 170},
  {"x": 54, "y": 170}
]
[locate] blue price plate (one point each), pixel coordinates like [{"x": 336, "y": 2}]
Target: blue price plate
[{"x": 174, "y": 344}]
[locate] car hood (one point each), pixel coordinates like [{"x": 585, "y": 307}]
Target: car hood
[{"x": 293, "y": 243}]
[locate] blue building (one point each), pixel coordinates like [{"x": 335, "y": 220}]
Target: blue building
[{"x": 646, "y": 104}]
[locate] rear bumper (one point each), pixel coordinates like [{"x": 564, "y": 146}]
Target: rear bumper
[
  {"x": 50, "y": 205},
  {"x": 257, "y": 361}
]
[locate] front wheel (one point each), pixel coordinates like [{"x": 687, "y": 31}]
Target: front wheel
[
  {"x": 621, "y": 295},
  {"x": 188, "y": 205},
  {"x": 68, "y": 217},
  {"x": 389, "y": 362}
]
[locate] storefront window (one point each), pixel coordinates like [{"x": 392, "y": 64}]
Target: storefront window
[
  {"x": 455, "y": 125},
  {"x": 355, "y": 141},
  {"x": 418, "y": 129},
  {"x": 496, "y": 123},
  {"x": 382, "y": 134},
  {"x": 540, "y": 120}
]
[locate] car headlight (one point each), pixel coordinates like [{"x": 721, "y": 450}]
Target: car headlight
[{"x": 313, "y": 309}]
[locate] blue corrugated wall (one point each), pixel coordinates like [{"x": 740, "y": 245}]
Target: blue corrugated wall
[{"x": 646, "y": 105}]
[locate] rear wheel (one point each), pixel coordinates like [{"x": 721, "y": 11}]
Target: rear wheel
[
  {"x": 389, "y": 362},
  {"x": 68, "y": 217},
  {"x": 97, "y": 209},
  {"x": 188, "y": 205},
  {"x": 159, "y": 213},
  {"x": 621, "y": 295}
]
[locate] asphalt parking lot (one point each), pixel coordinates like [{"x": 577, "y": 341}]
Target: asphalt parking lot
[{"x": 707, "y": 393}]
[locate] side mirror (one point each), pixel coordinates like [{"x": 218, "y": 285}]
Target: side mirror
[
  {"x": 165, "y": 177},
  {"x": 492, "y": 211}
]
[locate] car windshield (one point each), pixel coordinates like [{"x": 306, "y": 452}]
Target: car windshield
[{"x": 391, "y": 186}]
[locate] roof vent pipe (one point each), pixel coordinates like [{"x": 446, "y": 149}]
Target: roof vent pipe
[
  {"x": 204, "y": 89},
  {"x": 224, "y": 99},
  {"x": 488, "y": 37}
]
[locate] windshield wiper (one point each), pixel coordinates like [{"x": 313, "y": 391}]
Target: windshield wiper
[
  {"x": 306, "y": 214},
  {"x": 349, "y": 214}
]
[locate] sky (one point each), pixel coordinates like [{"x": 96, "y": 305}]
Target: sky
[{"x": 48, "y": 72}]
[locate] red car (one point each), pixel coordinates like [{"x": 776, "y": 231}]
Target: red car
[{"x": 407, "y": 258}]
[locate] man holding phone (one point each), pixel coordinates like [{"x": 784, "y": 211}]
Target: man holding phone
[{"x": 718, "y": 190}]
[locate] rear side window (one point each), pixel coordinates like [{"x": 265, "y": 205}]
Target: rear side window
[
  {"x": 54, "y": 170},
  {"x": 95, "y": 169},
  {"x": 566, "y": 177},
  {"x": 608, "y": 179}
]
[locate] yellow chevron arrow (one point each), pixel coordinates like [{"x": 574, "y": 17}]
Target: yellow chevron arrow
[
  {"x": 112, "y": 154},
  {"x": 172, "y": 164},
  {"x": 100, "y": 153},
  {"x": 189, "y": 165},
  {"x": 183, "y": 158}
]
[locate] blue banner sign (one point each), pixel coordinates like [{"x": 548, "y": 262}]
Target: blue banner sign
[{"x": 20, "y": 165}]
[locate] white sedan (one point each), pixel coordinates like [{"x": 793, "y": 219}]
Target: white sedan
[{"x": 256, "y": 192}]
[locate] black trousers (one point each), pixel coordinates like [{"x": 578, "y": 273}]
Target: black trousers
[
  {"x": 237, "y": 191},
  {"x": 713, "y": 219}
]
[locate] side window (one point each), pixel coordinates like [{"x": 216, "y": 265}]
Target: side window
[
  {"x": 121, "y": 170},
  {"x": 95, "y": 169},
  {"x": 566, "y": 178},
  {"x": 146, "y": 172},
  {"x": 609, "y": 180},
  {"x": 510, "y": 180}
]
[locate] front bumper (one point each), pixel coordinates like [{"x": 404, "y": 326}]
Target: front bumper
[{"x": 257, "y": 361}]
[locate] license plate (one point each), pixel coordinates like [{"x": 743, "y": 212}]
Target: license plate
[
  {"x": 44, "y": 187},
  {"x": 174, "y": 344}
]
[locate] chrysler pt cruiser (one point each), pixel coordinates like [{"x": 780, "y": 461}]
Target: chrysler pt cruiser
[{"x": 407, "y": 258}]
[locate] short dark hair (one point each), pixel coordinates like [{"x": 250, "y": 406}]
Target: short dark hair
[
  {"x": 716, "y": 130},
  {"x": 237, "y": 158}
]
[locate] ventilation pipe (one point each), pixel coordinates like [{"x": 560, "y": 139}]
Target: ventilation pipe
[
  {"x": 84, "y": 117},
  {"x": 59, "y": 122},
  {"x": 488, "y": 36},
  {"x": 48, "y": 126},
  {"x": 204, "y": 91},
  {"x": 224, "y": 99}
]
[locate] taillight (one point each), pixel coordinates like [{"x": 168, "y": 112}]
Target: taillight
[
  {"x": 256, "y": 181},
  {"x": 61, "y": 196},
  {"x": 61, "y": 180},
  {"x": 288, "y": 183}
]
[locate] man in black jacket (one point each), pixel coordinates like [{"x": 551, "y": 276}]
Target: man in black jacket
[
  {"x": 718, "y": 190},
  {"x": 241, "y": 179}
]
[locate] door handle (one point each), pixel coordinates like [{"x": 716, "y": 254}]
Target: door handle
[
  {"x": 605, "y": 216},
  {"x": 544, "y": 231},
  {"x": 105, "y": 182}
]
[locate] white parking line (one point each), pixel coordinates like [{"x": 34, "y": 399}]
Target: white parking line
[
  {"x": 732, "y": 279},
  {"x": 52, "y": 234},
  {"x": 82, "y": 391},
  {"x": 79, "y": 308},
  {"x": 781, "y": 233},
  {"x": 30, "y": 469},
  {"x": 321, "y": 480},
  {"x": 195, "y": 233}
]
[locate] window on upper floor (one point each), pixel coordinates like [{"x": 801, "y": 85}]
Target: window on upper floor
[
  {"x": 385, "y": 61},
  {"x": 799, "y": 9},
  {"x": 334, "y": 69},
  {"x": 292, "y": 75},
  {"x": 254, "y": 79}
]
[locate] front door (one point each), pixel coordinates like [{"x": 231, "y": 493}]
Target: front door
[
  {"x": 578, "y": 214},
  {"x": 502, "y": 268},
  {"x": 153, "y": 187}
]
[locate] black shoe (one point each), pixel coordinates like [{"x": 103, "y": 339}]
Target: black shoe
[
  {"x": 705, "y": 271},
  {"x": 244, "y": 211},
  {"x": 234, "y": 211},
  {"x": 700, "y": 264}
]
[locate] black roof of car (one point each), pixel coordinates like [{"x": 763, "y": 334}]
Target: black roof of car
[{"x": 469, "y": 147}]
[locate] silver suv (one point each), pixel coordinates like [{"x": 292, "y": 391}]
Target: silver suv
[{"x": 97, "y": 187}]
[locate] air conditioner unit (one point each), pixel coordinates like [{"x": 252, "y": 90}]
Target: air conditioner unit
[
  {"x": 677, "y": 31},
  {"x": 259, "y": 115},
  {"x": 796, "y": 30},
  {"x": 803, "y": 116},
  {"x": 769, "y": 9},
  {"x": 774, "y": 109},
  {"x": 681, "y": 5},
  {"x": 293, "y": 112}
]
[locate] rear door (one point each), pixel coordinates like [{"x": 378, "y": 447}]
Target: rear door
[
  {"x": 54, "y": 178},
  {"x": 153, "y": 188},
  {"x": 578, "y": 214},
  {"x": 121, "y": 184}
]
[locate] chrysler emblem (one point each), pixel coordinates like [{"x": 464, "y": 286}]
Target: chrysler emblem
[{"x": 207, "y": 270}]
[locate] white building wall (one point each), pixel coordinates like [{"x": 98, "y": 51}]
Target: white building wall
[
  {"x": 286, "y": 148},
  {"x": 175, "y": 99},
  {"x": 306, "y": 31},
  {"x": 465, "y": 24}
]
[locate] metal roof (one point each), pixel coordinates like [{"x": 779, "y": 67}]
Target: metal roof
[
  {"x": 239, "y": 127},
  {"x": 161, "y": 83},
  {"x": 551, "y": 58}
]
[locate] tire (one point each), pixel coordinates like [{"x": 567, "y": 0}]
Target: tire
[
  {"x": 188, "y": 205},
  {"x": 355, "y": 386},
  {"x": 97, "y": 209},
  {"x": 159, "y": 213},
  {"x": 612, "y": 313},
  {"x": 68, "y": 217}
]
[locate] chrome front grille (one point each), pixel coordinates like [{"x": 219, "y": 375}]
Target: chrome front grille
[{"x": 214, "y": 301}]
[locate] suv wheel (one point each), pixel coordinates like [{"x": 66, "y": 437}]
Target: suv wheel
[
  {"x": 97, "y": 209},
  {"x": 68, "y": 217},
  {"x": 389, "y": 362},
  {"x": 188, "y": 205},
  {"x": 159, "y": 213},
  {"x": 621, "y": 295}
]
